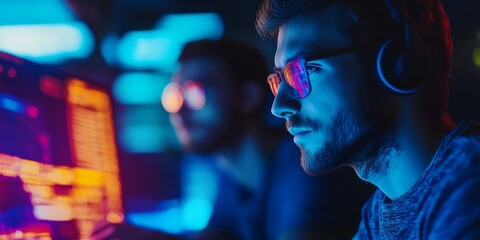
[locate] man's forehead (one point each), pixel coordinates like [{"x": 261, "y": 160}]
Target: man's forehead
[
  {"x": 200, "y": 66},
  {"x": 207, "y": 70},
  {"x": 308, "y": 34}
]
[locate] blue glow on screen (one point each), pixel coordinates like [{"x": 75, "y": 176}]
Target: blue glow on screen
[
  {"x": 167, "y": 220},
  {"x": 47, "y": 43},
  {"x": 108, "y": 48},
  {"x": 177, "y": 217},
  {"x": 192, "y": 26},
  {"x": 194, "y": 210},
  {"x": 141, "y": 138},
  {"x": 196, "y": 213},
  {"x": 200, "y": 187},
  {"x": 44, "y": 31},
  {"x": 159, "y": 48},
  {"x": 154, "y": 49},
  {"x": 145, "y": 129},
  {"x": 11, "y": 104},
  {"x": 14, "y": 12},
  {"x": 139, "y": 88}
]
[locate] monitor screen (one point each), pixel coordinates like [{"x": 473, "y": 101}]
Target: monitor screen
[{"x": 59, "y": 173}]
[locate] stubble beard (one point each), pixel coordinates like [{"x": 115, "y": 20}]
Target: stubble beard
[
  {"x": 340, "y": 133},
  {"x": 362, "y": 142}
]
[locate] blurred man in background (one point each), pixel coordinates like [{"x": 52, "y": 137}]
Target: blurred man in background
[{"x": 263, "y": 193}]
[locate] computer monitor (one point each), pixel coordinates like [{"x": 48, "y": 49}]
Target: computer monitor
[{"x": 59, "y": 172}]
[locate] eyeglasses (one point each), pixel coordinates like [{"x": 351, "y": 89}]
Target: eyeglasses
[
  {"x": 295, "y": 72},
  {"x": 191, "y": 94}
]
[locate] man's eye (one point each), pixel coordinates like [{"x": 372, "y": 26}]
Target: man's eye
[{"x": 312, "y": 69}]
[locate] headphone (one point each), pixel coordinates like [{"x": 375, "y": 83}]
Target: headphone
[{"x": 402, "y": 67}]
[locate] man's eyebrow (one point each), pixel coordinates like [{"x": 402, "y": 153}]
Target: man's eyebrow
[{"x": 296, "y": 56}]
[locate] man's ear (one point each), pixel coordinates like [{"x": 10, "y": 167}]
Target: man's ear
[{"x": 252, "y": 97}]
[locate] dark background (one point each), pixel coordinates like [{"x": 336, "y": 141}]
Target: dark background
[
  {"x": 144, "y": 174},
  {"x": 149, "y": 178},
  {"x": 121, "y": 16}
]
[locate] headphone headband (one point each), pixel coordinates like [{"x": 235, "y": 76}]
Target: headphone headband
[{"x": 403, "y": 67}]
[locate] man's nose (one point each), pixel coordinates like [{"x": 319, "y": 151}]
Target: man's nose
[{"x": 285, "y": 104}]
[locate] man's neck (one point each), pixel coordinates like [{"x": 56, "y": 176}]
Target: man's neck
[{"x": 416, "y": 143}]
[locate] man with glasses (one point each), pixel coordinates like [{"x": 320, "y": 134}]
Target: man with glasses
[
  {"x": 364, "y": 84},
  {"x": 263, "y": 192},
  {"x": 216, "y": 101}
]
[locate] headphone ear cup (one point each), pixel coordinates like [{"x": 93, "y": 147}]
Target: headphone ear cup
[{"x": 399, "y": 69}]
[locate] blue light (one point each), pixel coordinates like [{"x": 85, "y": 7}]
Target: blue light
[
  {"x": 43, "y": 31},
  {"x": 193, "y": 212},
  {"x": 139, "y": 88},
  {"x": 153, "y": 49},
  {"x": 167, "y": 220},
  {"x": 199, "y": 186},
  {"x": 199, "y": 178},
  {"x": 192, "y": 26},
  {"x": 47, "y": 43},
  {"x": 173, "y": 216},
  {"x": 141, "y": 138},
  {"x": 196, "y": 213},
  {"x": 12, "y": 104},
  {"x": 108, "y": 48},
  {"x": 145, "y": 129},
  {"x": 159, "y": 49},
  {"x": 14, "y": 12}
]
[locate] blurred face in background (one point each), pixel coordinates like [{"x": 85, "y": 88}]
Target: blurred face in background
[{"x": 207, "y": 120}]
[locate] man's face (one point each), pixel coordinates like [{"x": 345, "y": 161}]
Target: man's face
[
  {"x": 209, "y": 126},
  {"x": 333, "y": 119}
]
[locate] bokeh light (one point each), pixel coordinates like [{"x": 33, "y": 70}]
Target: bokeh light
[
  {"x": 172, "y": 97},
  {"x": 194, "y": 94}
]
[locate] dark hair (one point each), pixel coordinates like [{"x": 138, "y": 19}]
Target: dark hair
[
  {"x": 372, "y": 20},
  {"x": 245, "y": 62}
]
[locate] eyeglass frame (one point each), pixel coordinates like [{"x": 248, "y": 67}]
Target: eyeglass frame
[{"x": 303, "y": 60}]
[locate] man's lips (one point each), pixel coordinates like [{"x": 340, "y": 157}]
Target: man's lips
[{"x": 298, "y": 131}]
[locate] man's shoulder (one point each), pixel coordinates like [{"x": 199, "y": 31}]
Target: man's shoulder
[
  {"x": 462, "y": 163},
  {"x": 455, "y": 214},
  {"x": 459, "y": 151},
  {"x": 369, "y": 225},
  {"x": 463, "y": 154},
  {"x": 371, "y": 208},
  {"x": 460, "y": 166},
  {"x": 455, "y": 211},
  {"x": 468, "y": 134}
]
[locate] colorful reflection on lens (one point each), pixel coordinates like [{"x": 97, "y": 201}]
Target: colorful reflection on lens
[
  {"x": 172, "y": 97},
  {"x": 274, "y": 83},
  {"x": 194, "y": 94},
  {"x": 296, "y": 77}
]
